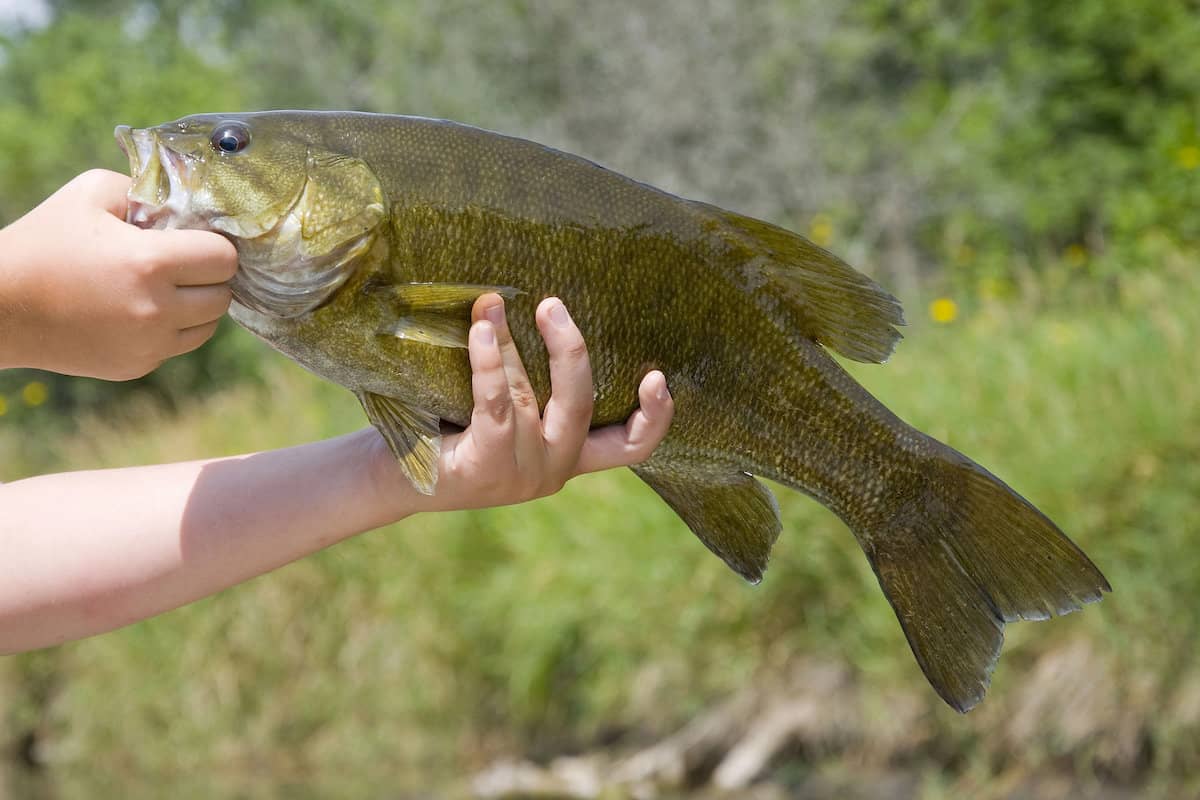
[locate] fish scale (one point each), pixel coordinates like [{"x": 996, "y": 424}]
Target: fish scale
[{"x": 365, "y": 238}]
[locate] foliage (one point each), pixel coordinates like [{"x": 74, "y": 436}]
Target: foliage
[
  {"x": 429, "y": 646},
  {"x": 1035, "y": 164},
  {"x": 964, "y": 144}
]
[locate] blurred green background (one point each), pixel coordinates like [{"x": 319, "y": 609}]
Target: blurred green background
[{"x": 1025, "y": 175}]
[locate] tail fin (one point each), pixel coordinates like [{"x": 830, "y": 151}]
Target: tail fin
[{"x": 962, "y": 554}]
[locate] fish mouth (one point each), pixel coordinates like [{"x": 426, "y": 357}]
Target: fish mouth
[{"x": 162, "y": 179}]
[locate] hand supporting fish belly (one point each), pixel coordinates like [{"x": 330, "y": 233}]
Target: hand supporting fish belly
[{"x": 364, "y": 240}]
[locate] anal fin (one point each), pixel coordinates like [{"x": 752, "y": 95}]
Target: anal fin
[
  {"x": 412, "y": 434},
  {"x": 734, "y": 515}
]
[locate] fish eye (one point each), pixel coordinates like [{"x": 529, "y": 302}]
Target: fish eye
[{"x": 230, "y": 137}]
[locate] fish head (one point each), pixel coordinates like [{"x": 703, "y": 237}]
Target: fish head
[{"x": 299, "y": 211}]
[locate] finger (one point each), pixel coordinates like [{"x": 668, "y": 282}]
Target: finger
[
  {"x": 189, "y": 339},
  {"x": 196, "y": 305},
  {"x": 491, "y": 430},
  {"x": 108, "y": 189},
  {"x": 633, "y": 442},
  {"x": 568, "y": 412},
  {"x": 199, "y": 258},
  {"x": 529, "y": 446}
]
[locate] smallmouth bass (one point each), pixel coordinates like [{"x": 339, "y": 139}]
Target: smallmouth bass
[{"x": 364, "y": 239}]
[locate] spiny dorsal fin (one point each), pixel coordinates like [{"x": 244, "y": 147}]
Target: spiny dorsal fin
[
  {"x": 413, "y": 434},
  {"x": 733, "y": 514},
  {"x": 834, "y": 303}
]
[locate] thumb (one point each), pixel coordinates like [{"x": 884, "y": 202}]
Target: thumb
[{"x": 104, "y": 189}]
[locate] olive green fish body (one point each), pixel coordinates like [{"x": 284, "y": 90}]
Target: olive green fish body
[
  {"x": 653, "y": 281},
  {"x": 365, "y": 238}
]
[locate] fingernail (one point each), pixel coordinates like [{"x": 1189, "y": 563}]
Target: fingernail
[
  {"x": 559, "y": 315},
  {"x": 495, "y": 314},
  {"x": 662, "y": 393},
  {"x": 487, "y": 334}
]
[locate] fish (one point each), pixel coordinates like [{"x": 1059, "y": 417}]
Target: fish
[{"x": 363, "y": 240}]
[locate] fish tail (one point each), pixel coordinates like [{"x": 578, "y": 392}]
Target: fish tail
[{"x": 958, "y": 554}]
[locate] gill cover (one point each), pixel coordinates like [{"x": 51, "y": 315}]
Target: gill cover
[{"x": 299, "y": 264}]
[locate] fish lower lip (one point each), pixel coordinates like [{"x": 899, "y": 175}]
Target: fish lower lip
[{"x": 143, "y": 215}]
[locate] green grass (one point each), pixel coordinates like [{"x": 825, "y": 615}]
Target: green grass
[{"x": 428, "y": 647}]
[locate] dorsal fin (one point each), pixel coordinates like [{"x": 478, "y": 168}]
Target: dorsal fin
[{"x": 833, "y": 303}]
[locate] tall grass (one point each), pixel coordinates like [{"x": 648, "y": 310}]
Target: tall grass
[{"x": 433, "y": 645}]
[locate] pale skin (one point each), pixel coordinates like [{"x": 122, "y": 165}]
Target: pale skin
[
  {"x": 86, "y": 294},
  {"x": 87, "y": 552}
]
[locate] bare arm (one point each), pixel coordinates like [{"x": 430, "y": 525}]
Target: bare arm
[{"x": 86, "y": 552}]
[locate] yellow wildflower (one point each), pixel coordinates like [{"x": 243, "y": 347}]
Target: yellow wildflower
[
  {"x": 3, "y": 405},
  {"x": 820, "y": 230},
  {"x": 34, "y": 393},
  {"x": 1188, "y": 156},
  {"x": 943, "y": 310}
]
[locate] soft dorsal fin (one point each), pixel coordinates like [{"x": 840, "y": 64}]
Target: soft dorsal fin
[{"x": 834, "y": 303}]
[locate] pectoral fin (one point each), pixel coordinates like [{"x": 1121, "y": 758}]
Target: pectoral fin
[
  {"x": 437, "y": 314},
  {"x": 431, "y": 329},
  {"x": 414, "y": 436},
  {"x": 733, "y": 514},
  {"x": 446, "y": 296}
]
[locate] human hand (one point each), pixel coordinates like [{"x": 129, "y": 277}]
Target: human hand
[
  {"x": 84, "y": 293},
  {"x": 511, "y": 452}
]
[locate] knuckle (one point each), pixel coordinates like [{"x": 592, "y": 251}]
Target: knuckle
[
  {"x": 96, "y": 181},
  {"x": 496, "y": 406},
  {"x": 576, "y": 350},
  {"x": 146, "y": 313},
  {"x": 523, "y": 398},
  {"x": 90, "y": 179},
  {"x": 146, "y": 262}
]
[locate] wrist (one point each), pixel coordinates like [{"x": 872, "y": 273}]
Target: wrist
[{"x": 392, "y": 496}]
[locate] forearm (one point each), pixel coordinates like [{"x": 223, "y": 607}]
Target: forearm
[{"x": 86, "y": 552}]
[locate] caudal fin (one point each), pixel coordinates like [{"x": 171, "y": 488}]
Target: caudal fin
[{"x": 958, "y": 556}]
